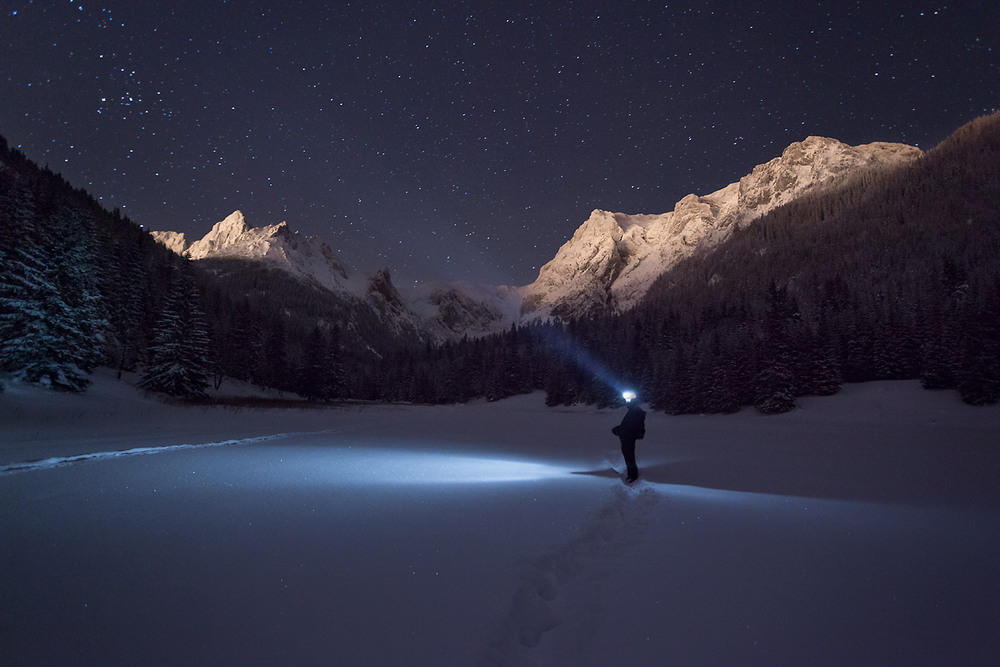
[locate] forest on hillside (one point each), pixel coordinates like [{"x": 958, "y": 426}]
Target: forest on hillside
[
  {"x": 81, "y": 287},
  {"x": 880, "y": 275}
]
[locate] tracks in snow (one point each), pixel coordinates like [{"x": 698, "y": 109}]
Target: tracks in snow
[
  {"x": 537, "y": 606},
  {"x": 61, "y": 461}
]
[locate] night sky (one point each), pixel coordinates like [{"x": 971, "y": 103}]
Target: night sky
[{"x": 466, "y": 140}]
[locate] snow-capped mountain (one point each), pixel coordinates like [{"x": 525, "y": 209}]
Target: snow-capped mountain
[
  {"x": 433, "y": 312},
  {"x": 453, "y": 310},
  {"x": 307, "y": 257},
  {"x": 613, "y": 258},
  {"x": 608, "y": 265}
]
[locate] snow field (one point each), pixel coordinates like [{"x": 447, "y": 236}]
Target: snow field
[{"x": 861, "y": 529}]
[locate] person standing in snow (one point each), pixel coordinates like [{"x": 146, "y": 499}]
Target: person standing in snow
[{"x": 632, "y": 428}]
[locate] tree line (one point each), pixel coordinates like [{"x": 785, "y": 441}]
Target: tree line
[
  {"x": 81, "y": 287},
  {"x": 881, "y": 275}
]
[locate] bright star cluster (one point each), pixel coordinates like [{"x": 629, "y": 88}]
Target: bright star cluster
[{"x": 465, "y": 139}]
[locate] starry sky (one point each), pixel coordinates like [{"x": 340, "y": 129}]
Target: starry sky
[{"x": 461, "y": 139}]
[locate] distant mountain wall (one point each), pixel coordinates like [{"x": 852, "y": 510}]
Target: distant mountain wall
[{"x": 613, "y": 258}]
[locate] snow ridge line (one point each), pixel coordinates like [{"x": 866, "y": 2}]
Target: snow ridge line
[
  {"x": 537, "y": 606},
  {"x": 60, "y": 461}
]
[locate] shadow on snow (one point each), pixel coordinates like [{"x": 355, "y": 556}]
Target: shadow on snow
[{"x": 955, "y": 483}]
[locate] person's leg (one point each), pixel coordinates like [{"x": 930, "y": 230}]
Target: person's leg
[{"x": 628, "y": 452}]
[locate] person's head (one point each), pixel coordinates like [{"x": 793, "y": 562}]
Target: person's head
[{"x": 632, "y": 400}]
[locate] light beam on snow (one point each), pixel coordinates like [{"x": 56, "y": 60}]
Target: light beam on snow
[
  {"x": 410, "y": 467},
  {"x": 345, "y": 465}
]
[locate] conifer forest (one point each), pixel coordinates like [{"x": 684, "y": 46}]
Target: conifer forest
[{"x": 894, "y": 275}]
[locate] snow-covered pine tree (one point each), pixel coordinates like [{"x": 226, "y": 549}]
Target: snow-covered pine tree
[
  {"x": 50, "y": 309},
  {"x": 77, "y": 279},
  {"x": 178, "y": 354},
  {"x": 22, "y": 274}
]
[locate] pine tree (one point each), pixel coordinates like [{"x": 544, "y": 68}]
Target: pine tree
[
  {"x": 774, "y": 389},
  {"x": 321, "y": 374},
  {"x": 51, "y": 312},
  {"x": 558, "y": 385},
  {"x": 822, "y": 370},
  {"x": 2, "y": 263},
  {"x": 719, "y": 393},
  {"x": 336, "y": 375},
  {"x": 675, "y": 393},
  {"x": 275, "y": 351},
  {"x": 239, "y": 347},
  {"x": 78, "y": 283},
  {"x": 23, "y": 279},
  {"x": 126, "y": 288},
  {"x": 178, "y": 364},
  {"x": 980, "y": 371},
  {"x": 775, "y": 385}
]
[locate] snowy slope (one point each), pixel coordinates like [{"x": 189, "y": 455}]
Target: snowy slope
[
  {"x": 613, "y": 258},
  {"x": 861, "y": 529},
  {"x": 307, "y": 257}
]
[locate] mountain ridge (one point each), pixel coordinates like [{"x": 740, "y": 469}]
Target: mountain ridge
[
  {"x": 613, "y": 258},
  {"x": 607, "y": 266},
  {"x": 868, "y": 275},
  {"x": 434, "y": 313}
]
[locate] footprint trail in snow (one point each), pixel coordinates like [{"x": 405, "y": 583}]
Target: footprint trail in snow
[
  {"x": 537, "y": 606},
  {"x": 60, "y": 461}
]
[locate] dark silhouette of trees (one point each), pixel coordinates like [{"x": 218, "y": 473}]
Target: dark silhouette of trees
[
  {"x": 82, "y": 286},
  {"x": 51, "y": 313},
  {"x": 880, "y": 275},
  {"x": 178, "y": 353}
]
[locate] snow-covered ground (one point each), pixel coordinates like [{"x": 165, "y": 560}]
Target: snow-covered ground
[{"x": 862, "y": 529}]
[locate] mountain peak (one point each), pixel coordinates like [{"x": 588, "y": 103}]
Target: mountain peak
[
  {"x": 224, "y": 236},
  {"x": 613, "y": 258},
  {"x": 276, "y": 245},
  {"x": 235, "y": 221}
]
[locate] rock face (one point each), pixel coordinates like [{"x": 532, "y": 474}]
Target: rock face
[
  {"x": 613, "y": 258},
  {"x": 173, "y": 241},
  {"x": 307, "y": 257},
  {"x": 454, "y": 310},
  {"x": 383, "y": 297}
]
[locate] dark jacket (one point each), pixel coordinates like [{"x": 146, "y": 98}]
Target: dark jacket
[{"x": 633, "y": 426}]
